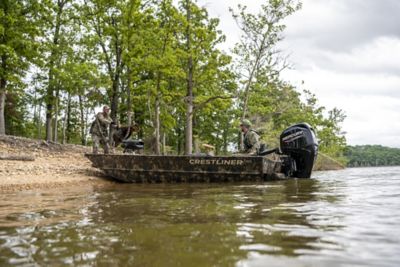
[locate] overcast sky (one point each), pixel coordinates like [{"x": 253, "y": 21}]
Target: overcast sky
[{"x": 347, "y": 52}]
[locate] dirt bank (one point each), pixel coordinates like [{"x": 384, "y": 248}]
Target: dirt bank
[
  {"x": 326, "y": 163},
  {"x": 54, "y": 165}
]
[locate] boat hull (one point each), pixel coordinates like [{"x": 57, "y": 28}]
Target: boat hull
[{"x": 193, "y": 169}]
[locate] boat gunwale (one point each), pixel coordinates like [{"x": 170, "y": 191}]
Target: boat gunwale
[
  {"x": 174, "y": 156},
  {"x": 187, "y": 156}
]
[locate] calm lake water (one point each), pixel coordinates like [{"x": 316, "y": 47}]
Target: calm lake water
[{"x": 341, "y": 218}]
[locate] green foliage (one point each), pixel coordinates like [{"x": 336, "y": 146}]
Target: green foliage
[
  {"x": 271, "y": 103},
  {"x": 258, "y": 58},
  {"x": 133, "y": 56},
  {"x": 17, "y": 39},
  {"x": 372, "y": 155},
  {"x": 18, "y": 29}
]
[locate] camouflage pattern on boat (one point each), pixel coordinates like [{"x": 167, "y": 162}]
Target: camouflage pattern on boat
[{"x": 175, "y": 169}]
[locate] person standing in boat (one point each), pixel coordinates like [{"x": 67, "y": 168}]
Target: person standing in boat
[
  {"x": 99, "y": 130},
  {"x": 251, "y": 141}
]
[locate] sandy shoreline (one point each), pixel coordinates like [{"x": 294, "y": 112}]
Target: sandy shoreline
[{"x": 54, "y": 165}]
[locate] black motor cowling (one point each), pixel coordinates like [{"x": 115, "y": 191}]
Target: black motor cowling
[
  {"x": 300, "y": 144},
  {"x": 130, "y": 146}
]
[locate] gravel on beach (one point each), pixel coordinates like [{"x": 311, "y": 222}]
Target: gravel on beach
[{"x": 54, "y": 165}]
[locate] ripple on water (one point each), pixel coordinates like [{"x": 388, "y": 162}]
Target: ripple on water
[{"x": 348, "y": 218}]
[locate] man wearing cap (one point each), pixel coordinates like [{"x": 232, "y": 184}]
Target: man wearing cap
[
  {"x": 251, "y": 139},
  {"x": 99, "y": 130}
]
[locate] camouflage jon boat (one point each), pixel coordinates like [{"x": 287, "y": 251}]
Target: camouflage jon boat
[
  {"x": 294, "y": 158},
  {"x": 171, "y": 169}
]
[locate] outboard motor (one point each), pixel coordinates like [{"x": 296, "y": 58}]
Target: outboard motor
[
  {"x": 130, "y": 146},
  {"x": 300, "y": 144}
]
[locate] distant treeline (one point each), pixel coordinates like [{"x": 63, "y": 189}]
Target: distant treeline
[{"x": 372, "y": 155}]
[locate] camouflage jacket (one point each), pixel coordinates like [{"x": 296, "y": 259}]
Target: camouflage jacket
[
  {"x": 251, "y": 143},
  {"x": 101, "y": 125}
]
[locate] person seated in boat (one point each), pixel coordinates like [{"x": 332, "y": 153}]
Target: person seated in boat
[
  {"x": 208, "y": 150},
  {"x": 99, "y": 130},
  {"x": 251, "y": 141}
]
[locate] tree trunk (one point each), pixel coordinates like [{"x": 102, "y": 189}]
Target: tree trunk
[
  {"x": 56, "y": 110},
  {"x": 115, "y": 82},
  {"x": 114, "y": 108},
  {"x": 189, "y": 100},
  {"x": 246, "y": 100},
  {"x": 128, "y": 92},
  {"x": 179, "y": 137},
  {"x": 50, "y": 88},
  {"x": 189, "y": 120},
  {"x": 35, "y": 108},
  {"x": 225, "y": 141},
  {"x": 82, "y": 117},
  {"x": 164, "y": 151},
  {"x": 2, "y": 105},
  {"x": 39, "y": 121},
  {"x": 247, "y": 92},
  {"x": 253, "y": 71},
  {"x": 157, "y": 101},
  {"x": 114, "y": 98},
  {"x": 157, "y": 123},
  {"x": 86, "y": 128},
  {"x": 69, "y": 121},
  {"x": 3, "y": 96},
  {"x": 49, "y": 112},
  {"x": 64, "y": 129}
]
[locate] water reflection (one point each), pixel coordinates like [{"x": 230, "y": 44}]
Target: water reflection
[{"x": 300, "y": 222}]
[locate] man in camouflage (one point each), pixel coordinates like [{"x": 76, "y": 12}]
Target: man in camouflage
[
  {"x": 251, "y": 139},
  {"x": 99, "y": 130}
]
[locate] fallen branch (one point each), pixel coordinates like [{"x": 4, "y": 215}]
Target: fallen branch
[{"x": 17, "y": 157}]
